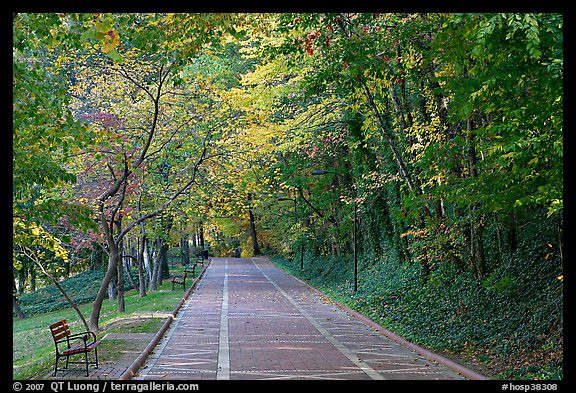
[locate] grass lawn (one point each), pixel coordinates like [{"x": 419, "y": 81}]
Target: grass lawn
[{"x": 33, "y": 348}]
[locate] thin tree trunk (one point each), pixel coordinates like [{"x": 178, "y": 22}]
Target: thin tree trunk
[
  {"x": 32, "y": 278},
  {"x": 120, "y": 271},
  {"x": 155, "y": 263},
  {"x": 164, "y": 271},
  {"x": 147, "y": 261},
  {"x": 255, "y": 247},
  {"x": 112, "y": 289},
  {"x": 140, "y": 260},
  {"x": 120, "y": 285},
  {"x": 22, "y": 278},
  {"x": 110, "y": 272},
  {"x": 15, "y": 303},
  {"x": 201, "y": 235},
  {"x": 156, "y": 278}
]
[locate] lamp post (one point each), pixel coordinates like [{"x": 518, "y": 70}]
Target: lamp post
[
  {"x": 295, "y": 200},
  {"x": 354, "y": 228}
]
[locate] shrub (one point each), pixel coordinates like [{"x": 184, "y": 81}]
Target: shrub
[{"x": 82, "y": 288}]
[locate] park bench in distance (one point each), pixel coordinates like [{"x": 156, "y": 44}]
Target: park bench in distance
[
  {"x": 68, "y": 344},
  {"x": 190, "y": 269}
]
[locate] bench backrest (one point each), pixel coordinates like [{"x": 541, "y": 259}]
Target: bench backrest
[{"x": 60, "y": 330}]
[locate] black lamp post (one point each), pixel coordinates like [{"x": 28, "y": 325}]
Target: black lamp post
[{"x": 354, "y": 226}]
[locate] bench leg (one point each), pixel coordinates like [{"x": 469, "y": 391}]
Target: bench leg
[
  {"x": 86, "y": 359},
  {"x": 55, "y": 366}
]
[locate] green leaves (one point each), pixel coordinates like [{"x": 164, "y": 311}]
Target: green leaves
[{"x": 426, "y": 115}]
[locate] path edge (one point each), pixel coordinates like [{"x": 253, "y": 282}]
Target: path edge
[
  {"x": 130, "y": 372},
  {"x": 464, "y": 371}
]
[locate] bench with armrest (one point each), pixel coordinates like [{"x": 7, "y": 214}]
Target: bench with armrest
[
  {"x": 190, "y": 269},
  {"x": 180, "y": 279},
  {"x": 68, "y": 344}
]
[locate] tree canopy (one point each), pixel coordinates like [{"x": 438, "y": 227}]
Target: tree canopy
[{"x": 267, "y": 131}]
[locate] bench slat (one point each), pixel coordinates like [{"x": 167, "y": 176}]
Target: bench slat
[
  {"x": 60, "y": 330},
  {"x": 79, "y": 348}
]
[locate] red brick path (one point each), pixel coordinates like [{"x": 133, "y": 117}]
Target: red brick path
[{"x": 248, "y": 319}]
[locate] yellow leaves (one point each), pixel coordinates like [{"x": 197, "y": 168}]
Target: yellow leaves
[
  {"x": 35, "y": 239},
  {"x": 35, "y": 230},
  {"x": 111, "y": 41}
]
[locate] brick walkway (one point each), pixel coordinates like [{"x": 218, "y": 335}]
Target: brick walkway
[{"x": 248, "y": 319}]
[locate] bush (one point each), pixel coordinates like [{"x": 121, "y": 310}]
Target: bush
[{"x": 81, "y": 288}]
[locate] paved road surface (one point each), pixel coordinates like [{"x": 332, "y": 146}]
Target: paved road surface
[{"x": 248, "y": 319}]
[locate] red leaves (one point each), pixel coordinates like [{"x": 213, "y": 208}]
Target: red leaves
[
  {"x": 310, "y": 38},
  {"x": 108, "y": 120}
]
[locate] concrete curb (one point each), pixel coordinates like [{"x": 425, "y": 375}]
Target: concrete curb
[
  {"x": 464, "y": 371},
  {"x": 139, "y": 361}
]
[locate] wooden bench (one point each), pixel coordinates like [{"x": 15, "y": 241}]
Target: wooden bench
[
  {"x": 190, "y": 269},
  {"x": 68, "y": 344},
  {"x": 180, "y": 280}
]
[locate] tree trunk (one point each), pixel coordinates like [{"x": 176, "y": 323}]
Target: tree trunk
[
  {"x": 140, "y": 261},
  {"x": 15, "y": 304},
  {"x": 156, "y": 278},
  {"x": 22, "y": 278},
  {"x": 120, "y": 285},
  {"x": 255, "y": 247},
  {"x": 164, "y": 268},
  {"x": 17, "y": 308},
  {"x": 120, "y": 270},
  {"x": 32, "y": 278},
  {"x": 154, "y": 262},
  {"x": 147, "y": 258},
  {"x": 110, "y": 272},
  {"x": 201, "y": 235}
]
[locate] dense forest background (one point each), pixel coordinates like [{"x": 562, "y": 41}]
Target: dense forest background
[{"x": 428, "y": 147}]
